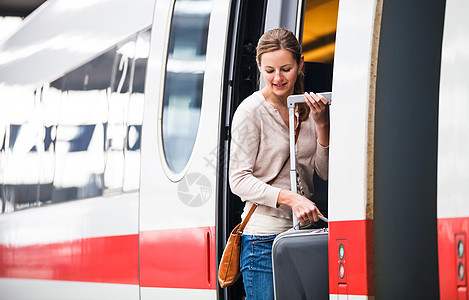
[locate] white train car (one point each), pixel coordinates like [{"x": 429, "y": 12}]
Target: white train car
[{"x": 115, "y": 126}]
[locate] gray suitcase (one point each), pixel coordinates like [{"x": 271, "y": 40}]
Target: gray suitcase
[
  {"x": 300, "y": 256},
  {"x": 300, "y": 265}
]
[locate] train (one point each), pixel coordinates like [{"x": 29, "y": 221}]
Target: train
[{"x": 115, "y": 124}]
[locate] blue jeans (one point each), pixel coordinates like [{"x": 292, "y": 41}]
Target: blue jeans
[{"x": 256, "y": 266}]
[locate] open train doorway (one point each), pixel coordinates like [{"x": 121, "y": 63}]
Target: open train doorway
[
  {"x": 241, "y": 79},
  {"x": 317, "y": 34},
  {"x": 315, "y": 23}
]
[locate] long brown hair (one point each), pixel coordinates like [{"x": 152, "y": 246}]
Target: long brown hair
[{"x": 278, "y": 39}]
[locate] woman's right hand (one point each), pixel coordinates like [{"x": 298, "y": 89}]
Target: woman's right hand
[{"x": 304, "y": 209}]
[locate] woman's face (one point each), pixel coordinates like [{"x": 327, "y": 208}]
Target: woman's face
[{"x": 280, "y": 71}]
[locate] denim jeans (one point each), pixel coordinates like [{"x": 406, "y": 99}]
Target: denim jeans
[{"x": 256, "y": 266}]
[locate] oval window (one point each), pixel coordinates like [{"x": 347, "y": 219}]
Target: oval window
[{"x": 185, "y": 68}]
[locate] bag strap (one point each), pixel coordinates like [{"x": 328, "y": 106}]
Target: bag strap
[{"x": 246, "y": 219}]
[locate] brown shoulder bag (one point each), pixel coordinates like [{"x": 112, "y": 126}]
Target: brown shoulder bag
[{"x": 228, "y": 271}]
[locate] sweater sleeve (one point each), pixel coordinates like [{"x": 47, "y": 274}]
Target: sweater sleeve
[
  {"x": 321, "y": 161},
  {"x": 245, "y": 140}
]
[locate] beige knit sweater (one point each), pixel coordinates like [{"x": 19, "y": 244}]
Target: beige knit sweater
[{"x": 259, "y": 149}]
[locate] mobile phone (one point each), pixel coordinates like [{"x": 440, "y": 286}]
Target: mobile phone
[{"x": 293, "y": 99}]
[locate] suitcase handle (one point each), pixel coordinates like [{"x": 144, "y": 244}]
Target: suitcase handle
[
  {"x": 324, "y": 219},
  {"x": 292, "y": 101},
  {"x": 298, "y": 225}
]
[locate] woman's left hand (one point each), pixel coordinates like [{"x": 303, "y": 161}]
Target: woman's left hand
[{"x": 318, "y": 105}]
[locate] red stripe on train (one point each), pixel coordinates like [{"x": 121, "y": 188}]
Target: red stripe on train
[
  {"x": 178, "y": 258},
  {"x": 111, "y": 259},
  {"x": 357, "y": 237}
]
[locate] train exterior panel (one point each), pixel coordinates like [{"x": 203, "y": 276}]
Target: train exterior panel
[
  {"x": 178, "y": 194},
  {"x": 351, "y": 213},
  {"x": 83, "y": 249},
  {"x": 453, "y": 130},
  {"x": 114, "y": 132}
]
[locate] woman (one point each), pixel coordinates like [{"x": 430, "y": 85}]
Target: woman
[{"x": 259, "y": 159}]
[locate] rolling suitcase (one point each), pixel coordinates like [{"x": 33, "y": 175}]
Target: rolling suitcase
[
  {"x": 300, "y": 256},
  {"x": 300, "y": 265}
]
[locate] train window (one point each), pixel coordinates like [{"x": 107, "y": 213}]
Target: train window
[
  {"x": 21, "y": 171},
  {"x": 48, "y": 124},
  {"x": 2, "y": 163},
  {"x": 78, "y": 135},
  {"x": 79, "y": 164},
  {"x": 135, "y": 113},
  {"x": 118, "y": 106},
  {"x": 185, "y": 70},
  {"x": 2, "y": 137}
]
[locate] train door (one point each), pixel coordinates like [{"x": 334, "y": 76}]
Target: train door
[{"x": 179, "y": 150}]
